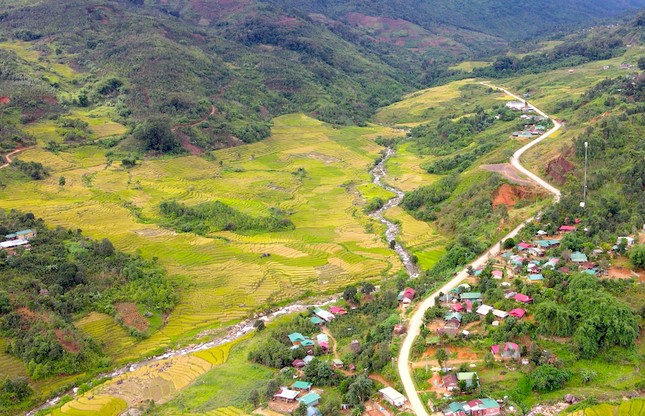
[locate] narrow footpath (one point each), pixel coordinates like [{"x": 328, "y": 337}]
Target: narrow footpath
[{"x": 404, "y": 366}]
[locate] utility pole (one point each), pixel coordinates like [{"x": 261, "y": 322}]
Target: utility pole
[{"x": 583, "y": 204}]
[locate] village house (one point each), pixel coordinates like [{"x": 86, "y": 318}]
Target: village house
[
  {"x": 536, "y": 251},
  {"x": 477, "y": 407},
  {"x": 286, "y": 394},
  {"x": 578, "y": 257},
  {"x": 450, "y": 327},
  {"x": 470, "y": 378},
  {"x": 11, "y": 245},
  {"x": 392, "y": 396},
  {"x": 546, "y": 244},
  {"x": 506, "y": 351},
  {"x": 471, "y": 296},
  {"x": 484, "y": 310},
  {"x": 450, "y": 382},
  {"x": 524, "y": 246},
  {"x": 499, "y": 314},
  {"x": 518, "y": 313},
  {"x": 627, "y": 240},
  {"x": 406, "y": 295},
  {"x": 567, "y": 228},
  {"x": 337, "y": 363},
  {"x": 316, "y": 320},
  {"x": 302, "y": 385},
  {"x": 498, "y": 274},
  {"x": 323, "y": 314},
  {"x": 536, "y": 277},
  {"x": 311, "y": 399},
  {"x": 296, "y": 338},
  {"x": 457, "y": 307},
  {"x": 552, "y": 263},
  {"x": 21, "y": 235},
  {"x": 323, "y": 341},
  {"x": 452, "y": 315},
  {"x": 336, "y": 310},
  {"x": 523, "y": 298}
]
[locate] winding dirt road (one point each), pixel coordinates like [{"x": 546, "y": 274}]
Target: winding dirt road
[
  {"x": 417, "y": 318},
  {"x": 8, "y": 156}
]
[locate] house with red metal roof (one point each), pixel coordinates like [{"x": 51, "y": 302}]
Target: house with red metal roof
[{"x": 523, "y": 298}]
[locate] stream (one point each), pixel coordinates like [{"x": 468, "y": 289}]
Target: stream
[{"x": 379, "y": 172}]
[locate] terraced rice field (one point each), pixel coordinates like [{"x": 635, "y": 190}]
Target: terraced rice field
[
  {"x": 633, "y": 407},
  {"x": 157, "y": 381},
  {"x": 405, "y": 170},
  {"x": 222, "y": 411},
  {"x": 421, "y": 238},
  {"x": 10, "y": 365},
  {"x": 90, "y": 404},
  {"x": 112, "y": 338},
  {"x": 331, "y": 246}
]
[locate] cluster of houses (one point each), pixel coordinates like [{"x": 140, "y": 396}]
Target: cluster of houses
[
  {"x": 534, "y": 126},
  {"x": 18, "y": 239},
  {"x": 531, "y": 255},
  {"x": 477, "y": 407},
  {"x": 322, "y": 340},
  {"x": 452, "y": 381},
  {"x": 531, "y": 130},
  {"x": 522, "y": 106},
  {"x": 321, "y": 316},
  {"x": 467, "y": 302},
  {"x": 300, "y": 392}
]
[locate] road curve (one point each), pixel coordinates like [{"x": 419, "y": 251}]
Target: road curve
[
  {"x": 417, "y": 318},
  {"x": 8, "y": 156}
]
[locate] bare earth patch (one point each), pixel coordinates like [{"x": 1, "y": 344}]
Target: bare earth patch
[
  {"x": 510, "y": 195},
  {"x": 623, "y": 273},
  {"x": 67, "y": 340},
  {"x": 131, "y": 316},
  {"x": 507, "y": 171}
]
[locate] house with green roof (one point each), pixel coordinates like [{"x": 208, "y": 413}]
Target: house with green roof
[
  {"x": 296, "y": 338},
  {"x": 311, "y": 399},
  {"x": 468, "y": 377},
  {"x": 454, "y": 409},
  {"x": 307, "y": 343},
  {"x": 302, "y": 385},
  {"x": 578, "y": 257},
  {"x": 471, "y": 296},
  {"x": 316, "y": 320}
]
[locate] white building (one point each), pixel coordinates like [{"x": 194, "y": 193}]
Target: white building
[{"x": 394, "y": 397}]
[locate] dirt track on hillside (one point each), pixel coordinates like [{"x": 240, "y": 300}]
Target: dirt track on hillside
[
  {"x": 8, "y": 156},
  {"x": 507, "y": 171}
]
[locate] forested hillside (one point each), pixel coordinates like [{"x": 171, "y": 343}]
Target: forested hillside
[
  {"x": 45, "y": 284},
  {"x": 255, "y": 60},
  {"x": 507, "y": 19}
]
